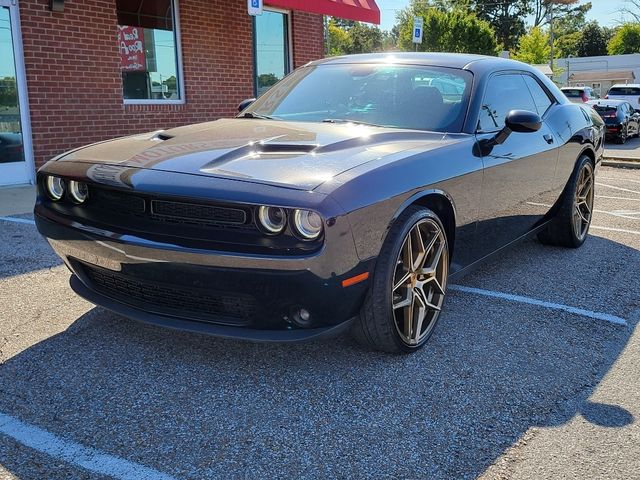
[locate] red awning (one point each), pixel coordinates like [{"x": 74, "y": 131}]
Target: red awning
[{"x": 361, "y": 10}]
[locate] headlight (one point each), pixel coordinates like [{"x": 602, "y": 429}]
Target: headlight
[
  {"x": 55, "y": 187},
  {"x": 78, "y": 191},
  {"x": 272, "y": 219},
  {"x": 307, "y": 224}
]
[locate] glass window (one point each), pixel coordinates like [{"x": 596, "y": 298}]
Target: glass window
[
  {"x": 11, "y": 149},
  {"x": 148, "y": 49},
  {"x": 271, "y": 49},
  {"x": 402, "y": 96},
  {"x": 504, "y": 93},
  {"x": 540, "y": 97}
]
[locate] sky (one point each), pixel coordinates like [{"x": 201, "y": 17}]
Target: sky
[{"x": 604, "y": 11}]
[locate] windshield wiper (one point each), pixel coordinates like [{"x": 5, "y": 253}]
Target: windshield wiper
[
  {"x": 356, "y": 122},
  {"x": 257, "y": 115}
]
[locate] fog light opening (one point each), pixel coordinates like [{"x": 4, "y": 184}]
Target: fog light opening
[{"x": 301, "y": 317}]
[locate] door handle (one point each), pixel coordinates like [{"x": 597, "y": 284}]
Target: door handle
[{"x": 548, "y": 138}]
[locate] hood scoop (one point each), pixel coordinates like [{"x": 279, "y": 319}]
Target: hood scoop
[{"x": 260, "y": 150}]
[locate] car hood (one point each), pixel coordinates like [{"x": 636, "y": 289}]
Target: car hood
[{"x": 299, "y": 155}]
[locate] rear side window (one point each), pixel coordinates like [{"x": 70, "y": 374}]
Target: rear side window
[
  {"x": 504, "y": 93},
  {"x": 624, "y": 91},
  {"x": 540, "y": 97}
]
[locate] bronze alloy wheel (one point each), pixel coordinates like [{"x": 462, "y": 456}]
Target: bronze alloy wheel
[
  {"x": 583, "y": 202},
  {"x": 420, "y": 282}
]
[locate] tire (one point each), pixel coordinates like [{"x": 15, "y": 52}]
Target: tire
[
  {"x": 419, "y": 279},
  {"x": 570, "y": 225}
]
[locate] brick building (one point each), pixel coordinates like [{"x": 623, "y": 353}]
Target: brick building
[{"x": 79, "y": 71}]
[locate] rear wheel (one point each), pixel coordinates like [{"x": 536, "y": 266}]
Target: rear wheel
[
  {"x": 408, "y": 287},
  {"x": 570, "y": 226}
]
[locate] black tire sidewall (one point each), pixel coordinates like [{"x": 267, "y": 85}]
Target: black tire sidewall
[{"x": 385, "y": 269}]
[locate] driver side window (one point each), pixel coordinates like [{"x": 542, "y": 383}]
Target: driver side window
[{"x": 505, "y": 92}]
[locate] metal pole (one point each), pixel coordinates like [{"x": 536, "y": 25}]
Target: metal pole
[{"x": 551, "y": 35}]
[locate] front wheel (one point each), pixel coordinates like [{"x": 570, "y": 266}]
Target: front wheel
[
  {"x": 570, "y": 226},
  {"x": 408, "y": 287}
]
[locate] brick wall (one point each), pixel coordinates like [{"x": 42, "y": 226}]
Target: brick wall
[
  {"x": 307, "y": 37},
  {"x": 74, "y": 80}
]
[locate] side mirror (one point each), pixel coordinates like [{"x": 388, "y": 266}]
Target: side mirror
[
  {"x": 523, "y": 121},
  {"x": 245, "y": 103},
  {"x": 520, "y": 121}
]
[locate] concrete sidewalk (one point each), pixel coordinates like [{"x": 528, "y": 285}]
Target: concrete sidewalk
[
  {"x": 629, "y": 152},
  {"x": 17, "y": 200}
]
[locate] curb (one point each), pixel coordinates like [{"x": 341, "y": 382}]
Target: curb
[{"x": 621, "y": 163}]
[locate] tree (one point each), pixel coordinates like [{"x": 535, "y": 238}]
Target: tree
[
  {"x": 506, "y": 17},
  {"x": 593, "y": 41},
  {"x": 338, "y": 40},
  {"x": 446, "y": 31},
  {"x": 631, "y": 9},
  {"x": 353, "y": 37},
  {"x": 567, "y": 10},
  {"x": 567, "y": 44},
  {"x": 625, "y": 40},
  {"x": 534, "y": 47},
  {"x": 8, "y": 92},
  {"x": 364, "y": 38}
]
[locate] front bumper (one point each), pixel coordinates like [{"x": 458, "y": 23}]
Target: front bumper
[{"x": 252, "y": 297}]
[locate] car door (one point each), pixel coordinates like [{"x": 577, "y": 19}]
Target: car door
[{"x": 518, "y": 180}]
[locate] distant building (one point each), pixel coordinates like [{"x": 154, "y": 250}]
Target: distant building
[
  {"x": 545, "y": 69},
  {"x": 600, "y": 72}
]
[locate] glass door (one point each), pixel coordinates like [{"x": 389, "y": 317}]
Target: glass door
[
  {"x": 271, "y": 49},
  {"x": 16, "y": 161}
]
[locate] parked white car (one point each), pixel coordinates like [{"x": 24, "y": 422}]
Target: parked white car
[
  {"x": 579, "y": 94},
  {"x": 629, "y": 93}
]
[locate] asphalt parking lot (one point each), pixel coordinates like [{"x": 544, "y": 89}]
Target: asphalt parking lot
[{"x": 505, "y": 389}]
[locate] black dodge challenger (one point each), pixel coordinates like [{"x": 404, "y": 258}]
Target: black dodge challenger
[{"x": 346, "y": 197}]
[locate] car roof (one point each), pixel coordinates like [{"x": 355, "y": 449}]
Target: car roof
[
  {"x": 633, "y": 85},
  {"x": 452, "y": 60},
  {"x": 584, "y": 87},
  {"x": 607, "y": 102}
]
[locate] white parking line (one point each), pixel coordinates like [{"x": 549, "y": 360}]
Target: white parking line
[
  {"x": 76, "y": 454},
  {"x": 540, "y": 303},
  {"x": 619, "y": 198},
  {"x": 18, "y": 220},
  {"x": 617, "y": 188},
  {"x": 617, "y": 179},
  {"x": 622, "y": 230}
]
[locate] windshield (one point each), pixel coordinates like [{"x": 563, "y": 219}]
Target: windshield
[{"x": 401, "y": 96}]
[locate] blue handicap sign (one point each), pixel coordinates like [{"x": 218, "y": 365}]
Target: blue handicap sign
[
  {"x": 255, "y": 3},
  {"x": 416, "y": 33}
]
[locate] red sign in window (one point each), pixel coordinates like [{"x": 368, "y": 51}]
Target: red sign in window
[{"x": 131, "y": 41}]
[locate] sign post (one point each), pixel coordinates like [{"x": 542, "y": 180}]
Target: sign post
[
  {"x": 254, "y": 7},
  {"x": 418, "y": 23}
]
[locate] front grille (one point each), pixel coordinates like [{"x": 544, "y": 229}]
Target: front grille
[
  {"x": 180, "y": 301},
  {"x": 114, "y": 201},
  {"x": 196, "y": 213},
  {"x": 105, "y": 203}
]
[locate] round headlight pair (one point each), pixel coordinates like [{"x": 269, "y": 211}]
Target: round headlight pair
[
  {"x": 307, "y": 224},
  {"x": 56, "y": 186}
]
